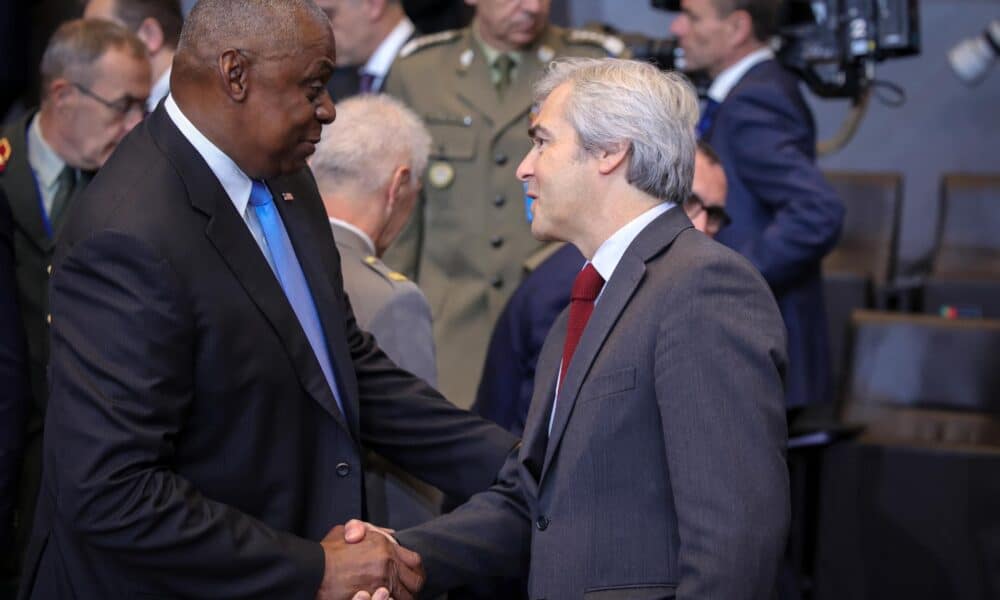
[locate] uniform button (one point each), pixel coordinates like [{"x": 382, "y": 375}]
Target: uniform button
[
  {"x": 542, "y": 523},
  {"x": 496, "y": 241},
  {"x": 496, "y": 281},
  {"x": 48, "y": 269},
  {"x": 500, "y": 200},
  {"x": 500, "y": 158},
  {"x": 48, "y": 319},
  {"x": 343, "y": 469}
]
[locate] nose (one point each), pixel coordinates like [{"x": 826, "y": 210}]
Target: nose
[
  {"x": 679, "y": 25},
  {"x": 532, "y": 6},
  {"x": 326, "y": 112},
  {"x": 134, "y": 117},
  {"x": 527, "y": 167}
]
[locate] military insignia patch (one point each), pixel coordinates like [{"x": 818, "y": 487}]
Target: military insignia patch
[
  {"x": 545, "y": 53},
  {"x": 440, "y": 174},
  {"x": 5, "y": 151}
]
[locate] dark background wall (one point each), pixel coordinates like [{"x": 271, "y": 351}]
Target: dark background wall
[{"x": 944, "y": 125}]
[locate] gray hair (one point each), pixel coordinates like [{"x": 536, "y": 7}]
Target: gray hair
[
  {"x": 615, "y": 101},
  {"x": 246, "y": 23},
  {"x": 78, "y": 44},
  {"x": 373, "y": 134}
]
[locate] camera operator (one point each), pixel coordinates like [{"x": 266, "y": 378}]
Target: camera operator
[{"x": 786, "y": 217}]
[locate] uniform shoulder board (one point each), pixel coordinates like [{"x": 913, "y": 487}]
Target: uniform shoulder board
[
  {"x": 379, "y": 267},
  {"x": 426, "y": 41},
  {"x": 614, "y": 46}
]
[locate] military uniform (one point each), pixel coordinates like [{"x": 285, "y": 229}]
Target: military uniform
[
  {"x": 34, "y": 245},
  {"x": 392, "y": 308},
  {"x": 469, "y": 237}
]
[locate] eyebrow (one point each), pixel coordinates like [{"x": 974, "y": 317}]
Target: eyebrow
[{"x": 534, "y": 130}]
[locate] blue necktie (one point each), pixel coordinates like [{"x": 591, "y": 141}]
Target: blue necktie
[
  {"x": 292, "y": 279},
  {"x": 707, "y": 116}
]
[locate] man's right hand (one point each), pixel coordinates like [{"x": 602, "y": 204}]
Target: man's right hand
[{"x": 366, "y": 565}]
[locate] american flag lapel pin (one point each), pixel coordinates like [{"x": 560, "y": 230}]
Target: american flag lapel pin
[{"x": 287, "y": 196}]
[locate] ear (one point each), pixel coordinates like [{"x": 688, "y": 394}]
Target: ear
[
  {"x": 375, "y": 8},
  {"x": 234, "y": 69},
  {"x": 58, "y": 91},
  {"x": 151, "y": 34},
  {"x": 472, "y": 2},
  {"x": 400, "y": 179},
  {"x": 609, "y": 160},
  {"x": 741, "y": 26}
]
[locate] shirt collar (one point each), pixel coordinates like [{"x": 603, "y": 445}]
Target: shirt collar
[
  {"x": 44, "y": 161},
  {"x": 158, "y": 91},
  {"x": 731, "y": 75},
  {"x": 236, "y": 183},
  {"x": 491, "y": 54},
  {"x": 381, "y": 60},
  {"x": 610, "y": 253},
  {"x": 369, "y": 244}
]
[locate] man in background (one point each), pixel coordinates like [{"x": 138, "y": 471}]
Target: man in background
[
  {"x": 95, "y": 80},
  {"x": 369, "y": 35},
  {"x": 368, "y": 167},
  {"x": 786, "y": 217},
  {"x": 509, "y": 373},
  {"x": 157, "y": 23},
  {"x": 469, "y": 236}
]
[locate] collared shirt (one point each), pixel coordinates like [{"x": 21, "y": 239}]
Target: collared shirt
[
  {"x": 491, "y": 55},
  {"x": 160, "y": 89},
  {"x": 369, "y": 244},
  {"x": 45, "y": 163},
  {"x": 606, "y": 260},
  {"x": 728, "y": 78},
  {"x": 234, "y": 181},
  {"x": 381, "y": 60}
]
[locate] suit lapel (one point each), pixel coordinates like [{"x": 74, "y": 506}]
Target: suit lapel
[
  {"x": 653, "y": 240},
  {"x": 228, "y": 233},
  {"x": 22, "y": 191},
  {"x": 311, "y": 238}
]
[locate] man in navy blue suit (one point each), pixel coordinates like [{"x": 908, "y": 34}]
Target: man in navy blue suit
[
  {"x": 509, "y": 373},
  {"x": 786, "y": 217}
]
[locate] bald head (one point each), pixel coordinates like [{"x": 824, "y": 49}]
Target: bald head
[
  {"x": 260, "y": 97},
  {"x": 216, "y": 25}
]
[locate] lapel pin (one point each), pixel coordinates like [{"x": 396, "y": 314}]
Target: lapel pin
[
  {"x": 287, "y": 196},
  {"x": 5, "y": 152}
]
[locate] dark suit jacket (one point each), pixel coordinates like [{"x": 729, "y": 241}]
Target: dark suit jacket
[
  {"x": 509, "y": 372},
  {"x": 664, "y": 474},
  {"x": 193, "y": 446},
  {"x": 786, "y": 217},
  {"x": 34, "y": 248},
  {"x": 13, "y": 380},
  {"x": 346, "y": 81}
]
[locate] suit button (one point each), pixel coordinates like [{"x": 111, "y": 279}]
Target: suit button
[
  {"x": 343, "y": 469},
  {"x": 48, "y": 269},
  {"x": 500, "y": 158},
  {"x": 48, "y": 319},
  {"x": 496, "y": 281},
  {"x": 496, "y": 241},
  {"x": 500, "y": 200},
  {"x": 542, "y": 523}
]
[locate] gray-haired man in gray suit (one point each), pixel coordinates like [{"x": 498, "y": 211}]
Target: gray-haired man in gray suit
[
  {"x": 367, "y": 169},
  {"x": 652, "y": 463}
]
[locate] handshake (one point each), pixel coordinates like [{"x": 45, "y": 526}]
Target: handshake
[{"x": 364, "y": 562}]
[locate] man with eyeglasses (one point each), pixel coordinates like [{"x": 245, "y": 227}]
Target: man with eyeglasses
[
  {"x": 95, "y": 80},
  {"x": 509, "y": 372}
]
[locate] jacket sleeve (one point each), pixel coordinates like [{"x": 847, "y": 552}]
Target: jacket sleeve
[
  {"x": 718, "y": 367},
  {"x": 774, "y": 157},
  {"x": 403, "y": 328},
  {"x": 122, "y": 382}
]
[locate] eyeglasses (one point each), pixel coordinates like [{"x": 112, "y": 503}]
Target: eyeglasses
[
  {"x": 123, "y": 106},
  {"x": 717, "y": 215}
]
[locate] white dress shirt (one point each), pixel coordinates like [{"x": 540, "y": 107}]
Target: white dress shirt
[
  {"x": 234, "y": 181},
  {"x": 728, "y": 78},
  {"x": 369, "y": 244},
  {"x": 160, "y": 89},
  {"x": 606, "y": 260},
  {"x": 381, "y": 60}
]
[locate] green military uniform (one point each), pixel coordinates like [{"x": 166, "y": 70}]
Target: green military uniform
[
  {"x": 33, "y": 249},
  {"x": 469, "y": 238}
]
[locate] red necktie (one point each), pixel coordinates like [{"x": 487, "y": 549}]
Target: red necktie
[{"x": 587, "y": 286}]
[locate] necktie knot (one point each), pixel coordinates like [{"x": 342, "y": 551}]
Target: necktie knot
[
  {"x": 366, "y": 82},
  {"x": 587, "y": 285},
  {"x": 259, "y": 194},
  {"x": 504, "y": 66},
  {"x": 707, "y": 117}
]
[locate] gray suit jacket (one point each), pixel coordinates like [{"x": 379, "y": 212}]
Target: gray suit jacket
[
  {"x": 395, "y": 311},
  {"x": 664, "y": 475},
  {"x": 388, "y": 306}
]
